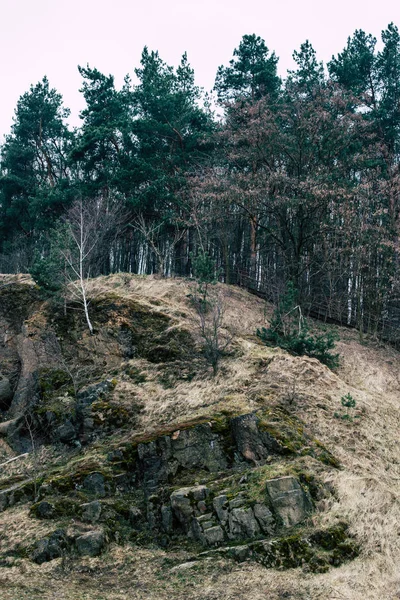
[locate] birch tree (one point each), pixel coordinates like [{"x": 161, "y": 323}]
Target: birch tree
[{"x": 87, "y": 225}]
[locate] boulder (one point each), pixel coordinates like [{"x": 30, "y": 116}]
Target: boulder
[
  {"x": 265, "y": 518},
  {"x": 214, "y": 535},
  {"x": 91, "y": 511},
  {"x": 65, "y": 433},
  {"x": 90, "y": 543},
  {"x": 95, "y": 484},
  {"x": 195, "y": 448},
  {"x": 252, "y": 443},
  {"x": 182, "y": 507},
  {"x": 289, "y": 500},
  {"x": 242, "y": 523},
  {"x": 198, "y": 447},
  {"x": 220, "y": 504},
  {"x": 44, "y": 510},
  {"x": 166, "y": 519},
  {"x": 188, "y": 506},
  {"x": 94, "y": 392},
  {"x": 50, "y": 547}
]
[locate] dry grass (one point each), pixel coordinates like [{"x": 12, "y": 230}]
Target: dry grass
[{"x": 367, "y": 487}]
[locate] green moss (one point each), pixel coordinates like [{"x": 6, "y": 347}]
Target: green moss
[
  {"x": 286, "y": 429},
  {"x": 64, "y": 507},
  {"x": 290, "y": 434},
  {"x": 71, "y": 478},
  {"x": 135, "y": 374},
  {"x": 325, "y": 456},
  {"x": 330, "y": 538},
  {"x": 51, "y": 380},
  {"x": 110, "y": 414},
  {"x": 315, "y": 551},
  {"x": 57, "y": 393},
  {"x": 283, "y": 553}
]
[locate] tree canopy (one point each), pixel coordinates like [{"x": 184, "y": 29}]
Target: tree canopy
[{"x": 291, "y": 181}]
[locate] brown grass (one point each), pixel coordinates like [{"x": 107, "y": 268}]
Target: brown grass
[{"x": 367, "y": 487}]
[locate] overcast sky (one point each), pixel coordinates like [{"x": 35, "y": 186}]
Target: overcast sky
[{"x": 51, "y": 37}]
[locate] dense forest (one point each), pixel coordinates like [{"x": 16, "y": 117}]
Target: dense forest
[{"x": 277, "y": 181}]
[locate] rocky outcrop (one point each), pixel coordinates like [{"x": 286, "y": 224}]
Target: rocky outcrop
[
  {"x": 315, "y": 552},
  {"x": 215, "y": 445},
  {"x": 290, "y": 502},
  {"x": 189, "y": 449},
  {"x": 213, "y": 519},
  {"x": 252, "y": 443},
  {"x": 58, "y": 543}
]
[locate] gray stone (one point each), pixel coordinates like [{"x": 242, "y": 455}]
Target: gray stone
[
  {"x": 153, "y": 511},
  {"x": 95, "y": 484},
  {"x": 264, "y": 517},
  {"x": 65, "y": 433},
  {"x": 220, "y": 504},
  {"x": 90, "y": 543},
  {"x": 91, "y": 511},
  {"x": 195, "y": 448},
  {"x": 239, "y": 553},
  {"x": 88, "y": 423},
  {"x": 199, "y": 493},
  {"x": 238, "y": 501},
  {"x": 254, "y": 445},
  {"x": 166, "y": 518},
  {"x": 207, "y": 524},
  {"x": 195, "y": 531},
  {"x": 94, "y": 392},
  {"x": 122, "y": 482},
  {"x": 6, "y": 393},
  {"x": 199, "y": 447},
  {"x": 183, "y": 503},
  {"x": 181, "y": 506},
  {"x": 242, "y": 523},
  {"x": 202, "y": 506},
  {"x": 204, "y": 518},
  {"x": 50, "y": 547},
  {"x": 289, "y": 500},
  {"x": 115, "y": 456},
  {"x": 45, "y": 510},
  {"x": 214, "y": 535}
]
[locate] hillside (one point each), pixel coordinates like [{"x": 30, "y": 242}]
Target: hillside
[{"x": 144, "y": 477}]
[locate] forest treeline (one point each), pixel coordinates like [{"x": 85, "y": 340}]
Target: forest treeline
[{"x": 278, "y": 181}]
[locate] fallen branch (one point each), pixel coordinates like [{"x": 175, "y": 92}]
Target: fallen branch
[{"x": 14, "y": 458}]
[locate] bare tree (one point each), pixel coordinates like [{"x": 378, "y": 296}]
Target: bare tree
[
  {"x": 210, "y": 311},
  {"x": 87, "y": 224},
  {"x": 152, "y": 234}
]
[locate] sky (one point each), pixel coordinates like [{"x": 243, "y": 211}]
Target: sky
[{"x": 52, "y": 37}]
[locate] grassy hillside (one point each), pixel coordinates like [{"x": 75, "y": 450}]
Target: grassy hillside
[{"x": 147, "y": 346}]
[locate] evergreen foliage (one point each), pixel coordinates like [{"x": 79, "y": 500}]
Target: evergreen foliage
[
  {"x": 297, "y": 181},
  {"x": 289, "y": 330}
]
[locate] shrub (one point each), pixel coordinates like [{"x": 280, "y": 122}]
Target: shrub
[
  {"x": 349, "y": 403},
  {"x": 210, "y": 308},
  {"x": 289, "y": 330}
]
